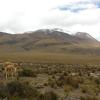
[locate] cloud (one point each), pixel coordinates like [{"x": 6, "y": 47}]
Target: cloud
[
  {"x": 78, "y": 6},
  {"x": 17, "y": 16}
]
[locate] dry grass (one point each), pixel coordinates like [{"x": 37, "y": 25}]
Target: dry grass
[{"x": 44, "y": 57}]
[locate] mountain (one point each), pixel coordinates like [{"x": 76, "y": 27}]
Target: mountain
[
  {"x": 85, "y": 36},
  {"x": 49, "y": 40}
]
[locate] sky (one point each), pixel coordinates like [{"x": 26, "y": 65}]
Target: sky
[{"x": 17, "y": 16}]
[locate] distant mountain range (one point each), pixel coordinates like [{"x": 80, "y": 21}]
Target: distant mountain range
[{"x": 49, "y": 40}]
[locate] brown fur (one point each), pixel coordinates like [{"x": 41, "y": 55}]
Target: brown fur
[{"x": 10, "y": 70}]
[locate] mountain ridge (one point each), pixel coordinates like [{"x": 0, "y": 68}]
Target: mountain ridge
[{"x": 48, "y": 40}]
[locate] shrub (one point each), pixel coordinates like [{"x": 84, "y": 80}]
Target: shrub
[
  {"x": 50, "y": 96},
  {"x": 27, "y": 73},
  {"x": 89, "y": 88},
  {"x": 73, "y": 81},
  {"x": 67, "y": 89},
  {"x": 15, "y": 88},
  {"x": 22, "y": 90},
  {"x": 88, "y": 98},
  {"x": 97, "y": 81},
  {"x": 52, "y": 83},
  {"x": 3, "y": 91}
]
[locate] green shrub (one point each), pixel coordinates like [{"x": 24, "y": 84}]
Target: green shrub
[
  {"x": 3, "y": 91},
  {"x": 27, "y": 73},
  {"x": 97, "y": 81},
  {"x": 22, "y": 90},
  {"x": 73, "y": 81},
  {"x": 50, "y": 96}
]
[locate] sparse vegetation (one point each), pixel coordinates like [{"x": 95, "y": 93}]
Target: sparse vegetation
[{"x": 53, "y": 82}]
